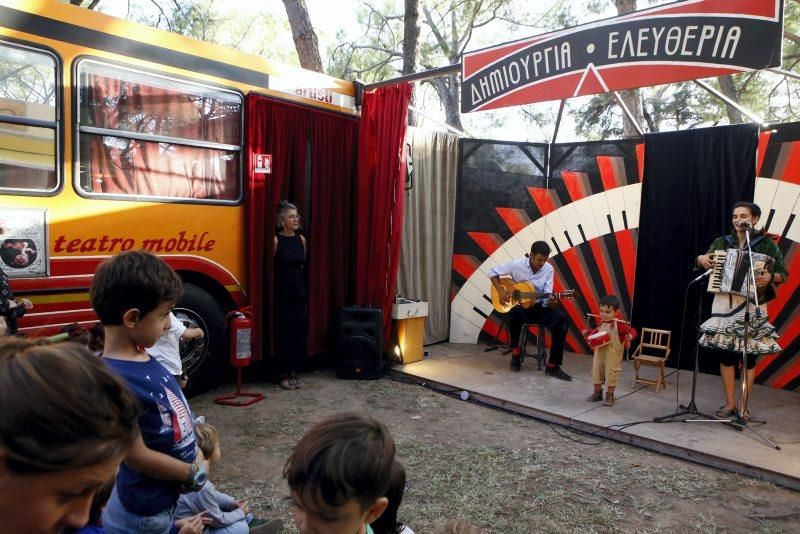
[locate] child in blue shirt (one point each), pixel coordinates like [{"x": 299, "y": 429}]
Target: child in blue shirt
[{"x": 133, "y": 295}]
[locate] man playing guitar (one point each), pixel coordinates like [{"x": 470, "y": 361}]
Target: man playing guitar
[{"x": 535, "y": 270}]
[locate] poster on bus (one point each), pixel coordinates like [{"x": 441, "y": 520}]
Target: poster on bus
[{"x": 23, "y": 243}]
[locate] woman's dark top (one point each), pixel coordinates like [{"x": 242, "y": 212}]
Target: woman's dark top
[{"x": 289, "y": 310}]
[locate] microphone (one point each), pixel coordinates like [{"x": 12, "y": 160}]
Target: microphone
[
  {"x": 707, "y": 273},
  {"x": 745, "y": 224}
]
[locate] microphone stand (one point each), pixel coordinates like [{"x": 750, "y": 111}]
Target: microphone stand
[
  {"x": 691, "y": 407},
  {"x": 751, "y": 289}
]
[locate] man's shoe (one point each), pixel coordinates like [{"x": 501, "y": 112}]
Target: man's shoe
[
  {"x": 557, "y": 372},
  {"x": 609, "y": 399},
  {"x": 516, "y": 365},
  {"x": 595, "y": 397}
]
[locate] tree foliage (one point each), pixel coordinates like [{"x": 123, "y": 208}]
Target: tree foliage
[
  {"x": 254, "y": 30},
  {"x": 448, "y": 28}
]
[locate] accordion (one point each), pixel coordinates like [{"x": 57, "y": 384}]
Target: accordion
[{"x": 731, "y": 269}]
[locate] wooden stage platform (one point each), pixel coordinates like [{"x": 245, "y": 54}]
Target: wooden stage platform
[{"x": 487, "y": 379}]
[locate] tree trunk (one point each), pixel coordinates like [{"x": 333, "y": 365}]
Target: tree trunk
[
  {"x": 728, "y": 88},
  {"x": 447, "y": 87},
  {"x": 305, "y": 39},
  {"x": 410, "y": 36},
  {"x": 631, "y": 97},
  {"x": 410, "y": 40}
]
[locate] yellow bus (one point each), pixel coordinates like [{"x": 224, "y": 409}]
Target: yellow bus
[{"x": 117, "y": 136}]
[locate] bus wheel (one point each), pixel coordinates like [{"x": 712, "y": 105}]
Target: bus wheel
[{"x": 202, "y": 358}]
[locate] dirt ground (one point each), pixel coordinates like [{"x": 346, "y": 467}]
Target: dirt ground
[{"x": 503, "y": 472}]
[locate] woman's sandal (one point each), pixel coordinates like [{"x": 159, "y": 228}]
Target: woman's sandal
[{"x": 723, "y": 412}]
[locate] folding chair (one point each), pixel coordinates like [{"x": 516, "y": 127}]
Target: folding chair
[{"x": 653, "y": 350}]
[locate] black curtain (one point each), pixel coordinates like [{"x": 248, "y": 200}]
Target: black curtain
[{"x": 691, "y": 181}]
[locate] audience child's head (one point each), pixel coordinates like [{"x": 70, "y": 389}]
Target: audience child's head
[
  {"x": 208, "y": 440},
  {"x": 97, "y": 338},
  {"x": 387, "y": 523},
  {"x": 609, "y": 306},
  {"x": 339, "y": 473},
  {"x": 133, "y": 294},
  {"x": 77, "y": 334},
  {"x": 66, "y": 423}
]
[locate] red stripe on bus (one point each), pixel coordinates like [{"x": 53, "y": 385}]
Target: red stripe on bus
[{"x": 33, "y": 324}]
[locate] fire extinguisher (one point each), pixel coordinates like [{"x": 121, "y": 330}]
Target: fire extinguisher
[{"x": 241, "y": 329}]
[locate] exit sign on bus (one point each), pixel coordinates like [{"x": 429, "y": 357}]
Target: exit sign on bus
[{"x": 262, "y": 163}]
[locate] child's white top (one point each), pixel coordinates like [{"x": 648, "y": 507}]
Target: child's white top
[{"x": 167, "y": 348}]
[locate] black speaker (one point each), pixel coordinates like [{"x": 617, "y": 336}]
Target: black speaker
[{"x": 360, "y": 343}]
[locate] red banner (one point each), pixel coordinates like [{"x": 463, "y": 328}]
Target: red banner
[{"x": 675, "y": 42}]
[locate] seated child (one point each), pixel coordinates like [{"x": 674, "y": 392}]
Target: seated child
[
  {"x": 227, "y": 515},
  {"x": 76, "y": 333},
  {"x": 387, "y": 523},
  {"x": 133, "y": 294},
  {"x": 167, "y": 348},
  {"x": 607, "y": 360},
  {"x": 190, "y": 525},
  {"x": 339, "y": 474},
  {"x": 97, "y": 338}
]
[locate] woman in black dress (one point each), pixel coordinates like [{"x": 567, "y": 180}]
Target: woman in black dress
[
  {"x": 290, "y": 319},
  {"x": 10, "y": 308}
]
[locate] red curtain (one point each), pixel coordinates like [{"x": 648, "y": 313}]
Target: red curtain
[
  {"x": 333, "y": 174},
  {"x": 313, "y": 153},
  {"x": 281, "y": 130},
  {"x": 380, "y": 195}
]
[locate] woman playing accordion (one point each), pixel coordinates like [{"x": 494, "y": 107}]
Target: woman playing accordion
[{"x": 725, "y": 329}]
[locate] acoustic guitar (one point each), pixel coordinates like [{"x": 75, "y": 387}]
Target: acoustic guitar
[{"x": 524, "y": 294}]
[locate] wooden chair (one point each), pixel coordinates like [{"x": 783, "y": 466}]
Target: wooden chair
[{"x": 653, "y": 350}]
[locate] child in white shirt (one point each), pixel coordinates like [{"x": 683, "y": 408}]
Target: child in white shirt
[{"x": 167, "y": 348}]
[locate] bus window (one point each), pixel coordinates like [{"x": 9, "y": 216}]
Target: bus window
[
  {"x": 150, "y": 137},
  {"x": 28, "y": 126}
]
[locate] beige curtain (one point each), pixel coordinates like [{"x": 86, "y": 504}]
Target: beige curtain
[{"x": 427, "y": 249}]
